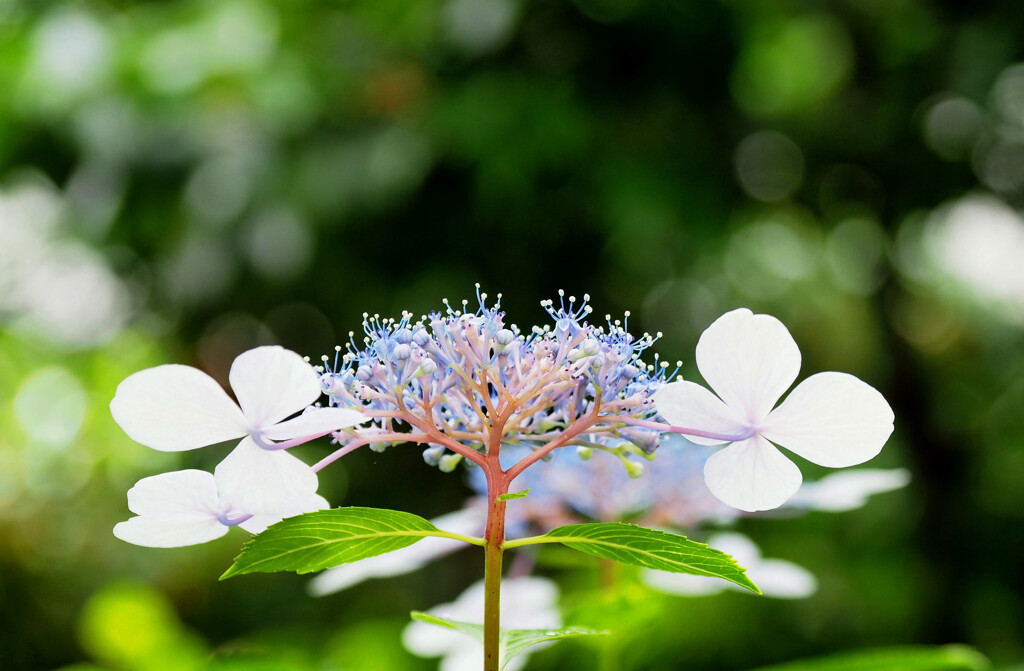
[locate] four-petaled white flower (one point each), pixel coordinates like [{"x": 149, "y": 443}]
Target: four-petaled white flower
[
  {"x": 173, "y": 408},
  {"x": 526, "y": 603},
  {"x": 831, "y": 419},
  {"x": 777, "y": 578},
  {"x": 185, "y": 508}
]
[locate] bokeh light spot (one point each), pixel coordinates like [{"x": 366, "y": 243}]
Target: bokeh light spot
[
  {"x": 50, "y": 406},
  {"x": 769, "y": 166}
]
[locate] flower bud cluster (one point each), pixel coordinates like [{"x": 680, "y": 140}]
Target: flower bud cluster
[{"x": 469, "y": 375}]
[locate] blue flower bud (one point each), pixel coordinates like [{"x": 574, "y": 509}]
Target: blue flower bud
[{"x": 432, "y": 455}]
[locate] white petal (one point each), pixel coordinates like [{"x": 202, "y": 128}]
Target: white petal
[
  {"x": 469, "y": 656},
  {"x": 264, "y": 482},
  {"x": 258, "y": 523},
  {"x": 776, "y": 577},
  {"x": 690, "y": 405},
  {"x": 749, "y": 361},
  {"x": 170, "y": 531},
  {"x": 738, "y": 546},
  {"x": 179, "y": 492},
  {"x": 832, "y": 419},
  {"x": 848, "y": 490},
  {"x": 751, "y": 475},
  {"x": 173, "y": 408},
  {"x": 430, "y": 640},
  {"x": 315, "y": 423},
  {"x": 271, "y": 383},
  {"x": 783, "y": 580},
  {"x": 682, "y": 583}
]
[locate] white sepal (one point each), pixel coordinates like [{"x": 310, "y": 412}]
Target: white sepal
[
  {"x": 831, "y": 419},
  {"x": 173, "y": 408},
  {"x": 272, "y": 383},
  {"x": 264, "y": 482},
  {"x": 751, "y": 475}
]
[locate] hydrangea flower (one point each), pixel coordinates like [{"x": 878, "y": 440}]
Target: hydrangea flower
[
  {"x": 185, "y": 508},
  {"x": 459, "y": 377},
  {"x": 173, "y": 408},
  {"x": 526, "y": 603},
  {"x": 831, "y": 419},
  {"x": 776, "y": 577}
]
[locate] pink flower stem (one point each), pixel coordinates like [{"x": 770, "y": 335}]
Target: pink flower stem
[
  {"x": 497, "y": 484},
  {"x": 366, "y": 440},
  {"x": 658, "y": 426}
]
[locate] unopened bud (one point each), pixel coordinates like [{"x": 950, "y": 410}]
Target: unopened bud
[
  {"x": 432, "y": 455},
  {"x": 448, "y": 462},
  {"x": 584, "y": 453},
  {"x": 590, "y": 346},
  {"x": 364, "y": 373},
  {"x": 331, "y": 385},
  {"x": 403, "y": 336},
  {"x": 504, "y": 337},
  {"x": 428, "y": 366},
  {"x": 634, "y": 469},
  {"x": 402, "y": 352}
]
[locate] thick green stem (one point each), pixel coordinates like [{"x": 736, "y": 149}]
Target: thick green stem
[{"x": 495, "y": 539}]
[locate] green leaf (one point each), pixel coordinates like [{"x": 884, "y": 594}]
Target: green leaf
[
  {"x": 326, "y": 538},
  {"x": 514, "y": 495},
  {"x": 650, "y": 548},
  {"x": 911, "y": 658},
  {"x": 513, "y": 641}
]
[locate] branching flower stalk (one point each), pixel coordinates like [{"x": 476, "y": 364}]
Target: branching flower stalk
[{"x": 471, "y": 384}]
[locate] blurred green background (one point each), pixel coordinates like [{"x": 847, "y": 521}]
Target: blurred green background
[{"x": 182, "y": 180}]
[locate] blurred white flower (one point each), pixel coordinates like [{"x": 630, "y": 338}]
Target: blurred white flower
[
  {"x": 848, "y": 490},
  {"x": 526, "y": 603},
  {"x": 831, "y": 419},
  {"x": 776, "y": 577},
  {"x": 978, "y": 242},
  {"x": 55, "y": 287}
]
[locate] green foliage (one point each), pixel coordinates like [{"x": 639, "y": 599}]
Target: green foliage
[
  {"x": 326, "y": 538},
  {"x": 132, "y": 626},
  {"x": 945, "y": 658},
  {"x": 513, "y": 641},
  {"x": 650, "y": 548}
]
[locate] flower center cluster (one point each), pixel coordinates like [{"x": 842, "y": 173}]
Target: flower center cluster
[{"x": 482, "y": 382}]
